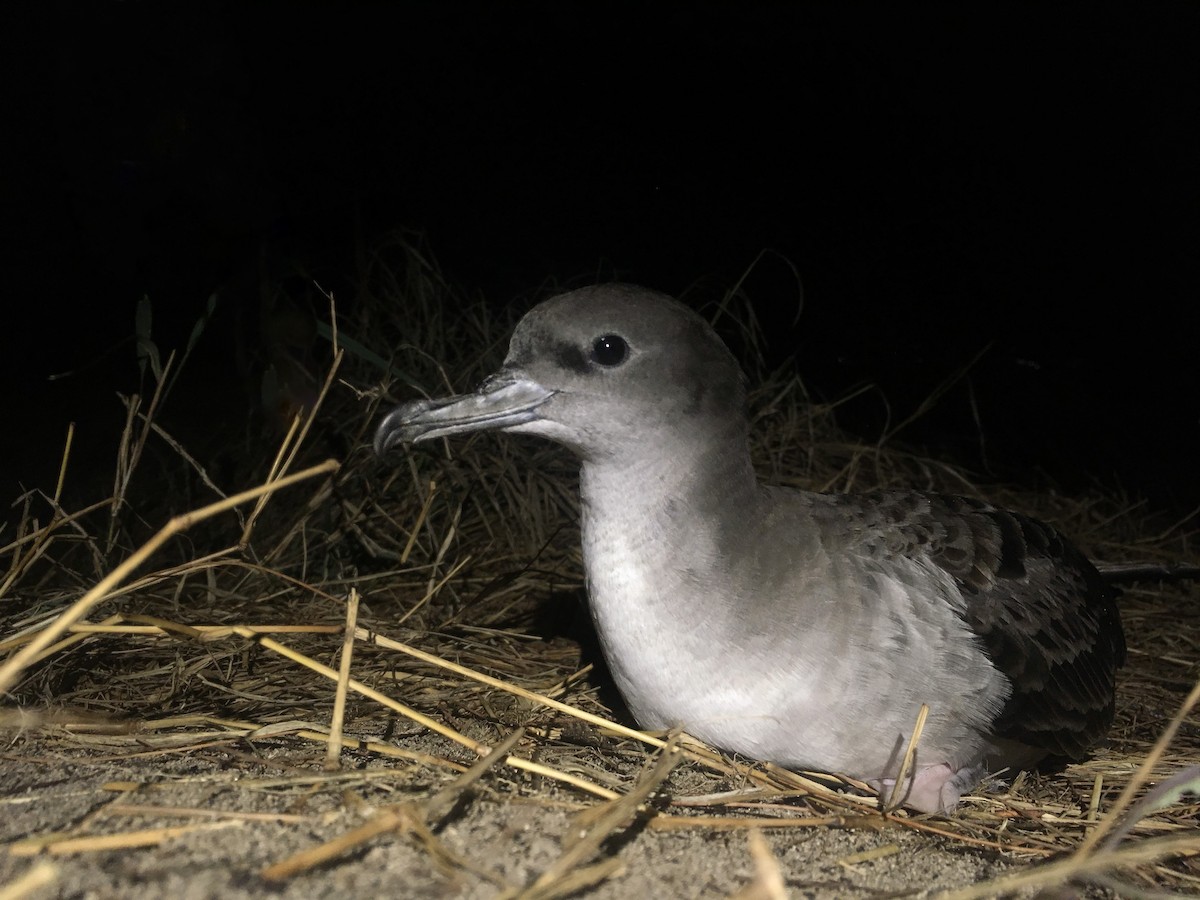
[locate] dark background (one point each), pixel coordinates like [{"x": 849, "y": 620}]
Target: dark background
[{"x": 945, "y": 178}]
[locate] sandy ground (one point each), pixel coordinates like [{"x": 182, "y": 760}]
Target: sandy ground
[
  {"x": 185, "y": 807},
  {"x": 192, "y": 810},
  {"x": 244, "y": 808}
]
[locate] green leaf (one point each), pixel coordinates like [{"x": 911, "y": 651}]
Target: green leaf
[
  {"x": 146, "y": 350},
  {"x": 354, "y": 348}
]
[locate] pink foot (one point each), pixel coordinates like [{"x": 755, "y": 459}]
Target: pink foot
[{"x": 934, "y": 789}]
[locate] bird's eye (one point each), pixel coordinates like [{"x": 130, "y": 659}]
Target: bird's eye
[{"x": 610, "y": 350}]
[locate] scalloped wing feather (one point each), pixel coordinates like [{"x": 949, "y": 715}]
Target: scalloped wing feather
[{"x": 1044, "y": 616}]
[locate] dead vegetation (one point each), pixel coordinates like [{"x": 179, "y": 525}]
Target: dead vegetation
[{"x": 408, "y": 626}]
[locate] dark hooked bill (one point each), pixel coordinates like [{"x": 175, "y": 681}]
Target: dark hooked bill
[{"x": 500, "y": 402}]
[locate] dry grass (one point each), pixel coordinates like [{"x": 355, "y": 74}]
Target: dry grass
[{"x": 238, "y": 624}]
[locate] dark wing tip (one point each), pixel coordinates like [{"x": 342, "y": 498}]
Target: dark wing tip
[
  {"x": 1046, "y": 619},
  {"x": 1049, "y": 622}
]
